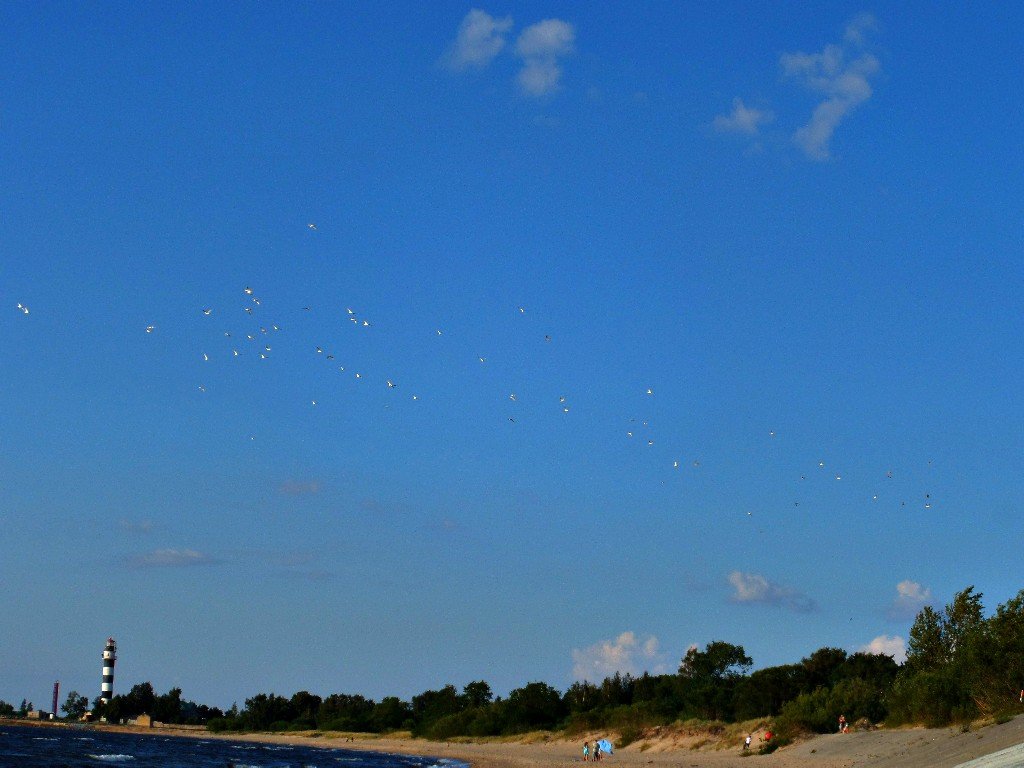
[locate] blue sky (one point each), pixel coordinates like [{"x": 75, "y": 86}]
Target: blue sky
[{"x": 798, "y": 228}]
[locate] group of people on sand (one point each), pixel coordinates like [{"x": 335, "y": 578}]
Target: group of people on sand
[
  {"x": 765, "y": 740},
  {"x": 595, "y": 755},
  {"x": 844, "y": 727}
]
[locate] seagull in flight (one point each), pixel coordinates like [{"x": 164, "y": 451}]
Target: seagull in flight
[
  {"x": 312, "y": 226},
  {"x": 207, "y": 311},
  {"x": 23, "y": 308},
  {"x": 248, "y": 290},
  {"x": 149, "y": 328}
]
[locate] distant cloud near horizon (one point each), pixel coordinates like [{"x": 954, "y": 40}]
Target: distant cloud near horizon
[
  {"x": 887, "y": 645},
  {"x": 754, "y": 588},
  {"x": 743, "y": 119},
  {"x": 910, "y": 598},
  {"x": 481, "y": 37},
  {"x": 540, "y": 46},
  {"x": 170, "y": 558},
  {"x": 841, "y": 76},
  {"x": 626, "y": 654}
]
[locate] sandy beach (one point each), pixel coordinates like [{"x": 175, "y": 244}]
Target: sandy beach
[
  {"x": 910, "y": 748},
  {"x": 905, "y": 748}
]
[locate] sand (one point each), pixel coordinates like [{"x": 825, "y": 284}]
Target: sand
[
  {"x": 909, "y": 748},
  {"x": 912, "y": 748}
]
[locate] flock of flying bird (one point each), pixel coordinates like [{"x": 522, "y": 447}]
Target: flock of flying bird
[{"x": 261, "y": 335}]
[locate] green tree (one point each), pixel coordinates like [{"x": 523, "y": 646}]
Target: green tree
[
  {"x": 140, "y": 700},
  {"x": 390, "y": 714},
  {"x": 926, "y": 646},
  {"x": 167, "y": 708},
  {"x": 710, "y": 678},
  {"x": 265, "y": 710},
  {"x": 1006, "y": 657},
  {"x": 477, "y": 694},
  {"x": 820, "y": 667},
  {"x": 964, "y": 618},
  {"x": 306, "y": 706},
  {"x": 535, "y": 705},
  {"x": 765, "y": 691},
  {"x": 582, "y": 697},
  {"x": 718, "y": 661},
  {"x": 345, "y": 712},
  {"x": 433, "y": 705},
  {"x": 6, "y": 710},
  {"x": 75, "y": 706}
]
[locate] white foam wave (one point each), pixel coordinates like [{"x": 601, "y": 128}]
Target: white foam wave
[
  {"x": 113, "y": 758},
  {"x": 43, "y": 738}
]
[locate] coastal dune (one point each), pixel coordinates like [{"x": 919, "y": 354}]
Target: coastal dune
[{"x": 981, "y": 747}]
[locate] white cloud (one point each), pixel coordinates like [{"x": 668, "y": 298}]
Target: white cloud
[
  {"x": 887, "y": 645},
  {"x": 625, "y": 654},
  {"x": 754, "y": 588},
  {"x": 842, "y": 76},
  {"x": 540, "y": 46},
  {"x": 170, "y": 558},
  {"x": 858, "y": 25},
  {"x": 742, "y": 119},
  {"x": 910, "y": 598},
  {"x": 481, "y": 37}
]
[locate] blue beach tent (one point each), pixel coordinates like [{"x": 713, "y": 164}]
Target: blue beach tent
[{"x": 605, "y": 745}]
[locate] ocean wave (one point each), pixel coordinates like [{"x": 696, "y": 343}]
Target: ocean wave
[
  {"x": 43, "y": 738},
  {"x": 113, "y": 758}
]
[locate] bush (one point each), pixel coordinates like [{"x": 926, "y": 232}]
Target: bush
[
  {"x": 775, "y": 743},
  {"x": 629, "y": 734},
  {"x": 221, "y": 724},
  {"x": 930, "y": 697}
]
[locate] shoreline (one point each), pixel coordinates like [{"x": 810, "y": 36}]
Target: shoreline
[{"x": 670, "y": 748}]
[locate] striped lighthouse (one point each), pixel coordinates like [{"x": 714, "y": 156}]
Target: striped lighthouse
[{"x": 109, "y": 657}]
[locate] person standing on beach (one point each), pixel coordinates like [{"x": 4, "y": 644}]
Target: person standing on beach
[
  {"x": 842, "y": 723},
  {"x": 597, "y": 751},
  {"x": 746, "y": 743},
  {"x": 586, "y": 751}
]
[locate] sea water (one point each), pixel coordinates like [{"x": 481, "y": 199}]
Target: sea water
[{"x": 22, "y": 747}]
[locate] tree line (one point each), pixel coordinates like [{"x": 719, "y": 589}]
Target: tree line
[
  {"x": 960, "y": 666},
  {"x": 712, "y": 684}
]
